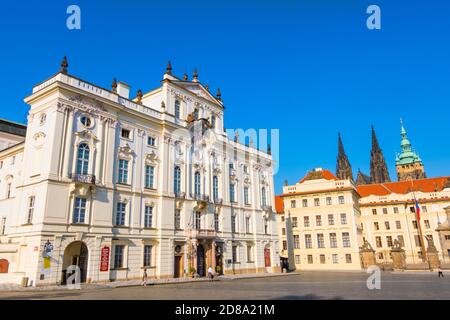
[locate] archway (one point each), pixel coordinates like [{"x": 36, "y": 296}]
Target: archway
[
  {"x": 76, "y": 253},
  {"x": 200, "y": 260}
]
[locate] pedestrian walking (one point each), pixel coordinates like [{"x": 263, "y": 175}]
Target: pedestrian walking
[
  {"x": 210, "y": 274},
  {"x": 144, "y": 278},
  {"x": 440, "y": 274}
]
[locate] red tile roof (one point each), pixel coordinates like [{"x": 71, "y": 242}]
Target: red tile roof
[
  {"x": 279, "y": 204},
  {"x": 323, "y": 174},
  {"x": 403, "y": 187}
]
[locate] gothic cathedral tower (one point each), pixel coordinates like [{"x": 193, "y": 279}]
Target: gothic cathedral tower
[
  {"x": 378, "y": 169},
  {"x": 408, "y": 163},
  {"x": 343, "y": 167}
]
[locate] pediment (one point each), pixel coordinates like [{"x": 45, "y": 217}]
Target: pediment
[{"x": 199, "y": 90}]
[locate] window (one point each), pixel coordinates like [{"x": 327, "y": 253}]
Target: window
[
  {"x": 308, "y": 241},
  {"x": 412, "y": 209},
  {"x": 198, "y": 220},
  {"x": 120, "y": 214},
  {"x": 348, "y": 258},
  {"x": 13, "y": 160},
  {"x": 283, "y": 231},
  {"x": 232, "y": 194},
  {"x": 427, "y": 224},
  {"x": 177, "y": 180},
  {"x": 149, "y": 176},
  {"x": 249, "y": 253},
  {"x": 85, "y": 121},
  {"x": 306, "y": 221},
  {"x": 395, "y": 209},
  {"x": 177, "y": 109},
  {"x": 318, "y": 221},
  {"x": 245, "y": 168},
  {"x": 335, "y": 258},
  {"x": 293, "y": 203},
  {"x": 333, "y": 240},
  {"x": 294, "y": 222},
  {"x": 30, "y": 209},
  {"x": 389, "y": 241},
  {"x": 423, "y": 208},
  {"x": 343, "y": 218},
  {"x": 147, "y": 256},
  {"x": 151, "y": 141},
  {"x": 3, "y": 226},
  {"x": 320, "y": 241},
  {"x": 8, "y": 190},
  {"x": 297, "y": 259},
  {"x": 197, "y": 190},
  {"x": 401, "y": 240},
  {"x": 118, "y": 256},
  {"x": 414, "y": 223},
  {"x": 284, "y": 245},
  {"x": 148, "y": 217},
  {"x": 246, "y": 195},
  {"x": 346, "y": 239},
  {"x": 125, "y": 133},
  {"x": 123, "y": 171},
  {"x": 266, "y": 226},
  {"x": 233, "y": 224},
  {"x": 296, "y": 241},
  {"x": 247, "y": 224},
  {"x": 329, "y": 203},
  {"x": 378, "y": 242},
  {"x": 322, "y": 259},
  {"x": 177, "y": 219},
  {"x": 82, "y": 159},
  {"x": 385, "y": 211},
  {"x": 216, "y": 221},
  {"x": 216, "y": 188},
  {"x": 213, "y": 122},
  {"x": 79, "y": 210},
  {"x": 398, "y": 225},
  {"x": 234, "y": 254},
  {"x": 263, "y": 197},
  {"x": 316, "y": 202},
  {"x": 196, "y": 114},
  {"x": 374, "y": 212},
  {"x": 331, "y": 219},
  {"x": 305, "y": 203},
  {"x": 376, "y": 225},
  {"x": 341, "y": 200},
  {"x": 310, "y": 259},
  {"x": 387, "y": 225}
]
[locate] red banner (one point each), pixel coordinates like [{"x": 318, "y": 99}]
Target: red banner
[{"x": 104, "y": 259}]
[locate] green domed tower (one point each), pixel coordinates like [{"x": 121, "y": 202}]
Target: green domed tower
[{"x": 408, "y": 163}]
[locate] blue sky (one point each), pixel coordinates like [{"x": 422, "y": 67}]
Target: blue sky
[{"x": 307, "y": 68}]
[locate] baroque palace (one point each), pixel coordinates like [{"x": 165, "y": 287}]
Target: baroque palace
[
  {"x": 329, "y": 221},
  {"x": 115, "y": 185}
]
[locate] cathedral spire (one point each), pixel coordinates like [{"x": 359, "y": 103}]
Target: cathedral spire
[
  {"x": 343, "y": 167},
  {"x": 378, "y": 168}
]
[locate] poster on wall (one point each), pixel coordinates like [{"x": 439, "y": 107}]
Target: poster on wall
[{"x": 104, "y": 259}]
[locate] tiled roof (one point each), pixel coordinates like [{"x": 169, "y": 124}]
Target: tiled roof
[
  {"x": 279, "y": 204},
  {"x": 322, "y": 174},
  {"x": 403, "y": 187}
]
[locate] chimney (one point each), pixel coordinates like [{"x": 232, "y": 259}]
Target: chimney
[{"x": 123, "y": 89}]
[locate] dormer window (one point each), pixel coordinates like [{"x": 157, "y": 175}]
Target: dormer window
[{"x": 125, "y": 133}]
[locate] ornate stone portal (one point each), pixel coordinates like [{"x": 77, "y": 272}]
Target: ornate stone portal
[
  {"x": 398, "y": 256},
  {"x": 432, "y": 255}
]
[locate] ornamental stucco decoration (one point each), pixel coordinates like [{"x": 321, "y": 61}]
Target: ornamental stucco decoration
[{"x": 126, "y": 152}]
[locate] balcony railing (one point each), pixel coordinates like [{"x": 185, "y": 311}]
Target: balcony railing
[
  {"x": 266, "y": 208},
  {"x": 83, "y": 178},
  {"x": 180, "y": 195},
  {"x": 200, "y": 197},
  {"x": 218, "y": 201},
  {"x": 202, "y": 233}
]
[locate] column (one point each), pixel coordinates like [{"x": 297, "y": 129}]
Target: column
[
  {"x": 68, "y": 146},
  {"x": 99, "y": 157}
]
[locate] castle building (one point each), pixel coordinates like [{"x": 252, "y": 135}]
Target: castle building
[
  {"x": 408, "y": 164},
  {"x": 114, "y": 185},
  {"x": 332, "y": 218}
]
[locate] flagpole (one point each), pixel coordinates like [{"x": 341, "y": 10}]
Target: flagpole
[{"x": 421, "y": 238}]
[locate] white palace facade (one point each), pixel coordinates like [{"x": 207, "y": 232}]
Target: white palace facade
[{"x": 116, "y": 185}]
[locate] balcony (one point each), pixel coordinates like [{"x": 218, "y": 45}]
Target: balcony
[
  {"x": 202, "y": 233},
  {"x": 266, "y": 208},
  {"x": 200, "y": 197},
  {"x": 180, "y": 195},
  {"x": 218, "y": 201},
  {"x": 83, "y": 178}
]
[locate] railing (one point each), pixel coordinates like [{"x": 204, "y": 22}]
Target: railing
[
  {"x": 83, "y": 178},
  {"x": 266, "y": 208},
  {"x": 200, "y": 197},
  {"x": 218, "y": 201},
  {"x": 180, "y": 195},
  {"x": 202, "y": 233}
]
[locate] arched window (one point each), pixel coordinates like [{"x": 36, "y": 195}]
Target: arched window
[
  {"x": 196, "y": 114},
  {"x": 263, "y": 196},
  {"x": 216, "y": 188},
  {"x": 83, "y": 159},
  {"x": 213, "y": 121},
  {"x": 177, "y": 109},
  {"x": 197, "y": 183},
  {"x": 177, "y": 180}
]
